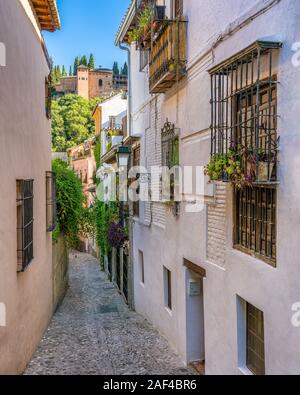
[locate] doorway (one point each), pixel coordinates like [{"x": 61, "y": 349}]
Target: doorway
[{"x": 195, "y": 319}]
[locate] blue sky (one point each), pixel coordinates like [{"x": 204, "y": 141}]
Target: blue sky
[{"x": 88, "y": 26}]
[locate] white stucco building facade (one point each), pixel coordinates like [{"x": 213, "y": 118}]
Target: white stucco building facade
[{"x": 210, "y": 281}]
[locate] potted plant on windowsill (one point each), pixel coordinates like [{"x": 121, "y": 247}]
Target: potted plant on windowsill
[
  {"x": 236, "y": 167},
  {"x": 265, "y": 165}
]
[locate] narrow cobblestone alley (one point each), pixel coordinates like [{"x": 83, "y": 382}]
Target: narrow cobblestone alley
[{"x": 93, "y": 332}]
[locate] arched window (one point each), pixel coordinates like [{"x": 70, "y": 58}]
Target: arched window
[{"x": 100, "y": 83}]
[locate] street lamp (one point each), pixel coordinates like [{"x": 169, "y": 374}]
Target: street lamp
[{"x": 123, "y": 155}]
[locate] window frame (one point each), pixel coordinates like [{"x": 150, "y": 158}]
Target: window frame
[
  {"x": 168, "y": 296},
  {"x": 262, "y": 222},
  {"x": 252, "y": 336},
  {"x": 142, "y": 267},
  {"x": 170, "y": 149},
  {"x": 48, "y": 96},
  {"x": 136, "y": 163},
  {"x": 243, "y": 78},
  {"x": 25, "y": 221},
  {"x": 50, "y": 201},
  {"x": 144, "y": 59}
]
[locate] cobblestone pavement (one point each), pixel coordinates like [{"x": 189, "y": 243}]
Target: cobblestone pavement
[{"x": 94, "y": 333}]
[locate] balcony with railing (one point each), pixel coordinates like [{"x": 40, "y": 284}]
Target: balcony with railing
[{"x": 167, "y": 61}]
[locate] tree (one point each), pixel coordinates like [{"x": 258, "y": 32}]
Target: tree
[
  {"x": 58, "y": 73},
  {"x": 64, "y": 73},
  {"x": 76, "y": 64},
  {"x": 72, "y": 121},
  {"x": 83, "y": 61},
  {"x": 70, "y": 72},
  {"x": 115, "y": 68},
  {"x": 124, "y": 70},
  {"x": 91, "y": 62},
  {"x": 54, "y": 80}
]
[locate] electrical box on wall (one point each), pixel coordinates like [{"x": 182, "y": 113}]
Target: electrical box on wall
[{"x": 194, "y": 288}]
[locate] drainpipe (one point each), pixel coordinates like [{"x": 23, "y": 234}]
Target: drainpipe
[{"x": 129, "y": 130}]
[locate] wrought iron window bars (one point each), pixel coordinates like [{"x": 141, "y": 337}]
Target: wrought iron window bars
[
  {"x": 244, "y": 119},
  {"x": 244, "y": 107},
  {"x": 50, "y": 201},
  {"x": 24, "y": 224}
]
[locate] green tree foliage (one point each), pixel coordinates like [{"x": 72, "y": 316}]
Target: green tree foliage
[
  {"x": 58, "y": 73},
  {"x": 76, "y": 64},
  {"x": 64, "y": 72},
  {"x": 70, "y": 72},
  {"x": 70, "y": 199},
  {"x": 115, "y": 68},
  {"x": 91, "y": 62},
  {"x": 97, "y": 154},
  {"x": 53, "y": 76},
  {"x": 72, "y": 121},
  {"x": 124, "y": 70},
  {"x": 83, "y": 61}
]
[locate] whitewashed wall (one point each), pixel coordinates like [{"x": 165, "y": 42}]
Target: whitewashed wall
[{"x": 165, "y": 243}]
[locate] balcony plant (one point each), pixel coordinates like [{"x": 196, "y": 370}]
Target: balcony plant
[
  {"x": 143, "y": 26},
  {"x": 266, "y": 163},
  {"x": 237, "y": 166}
]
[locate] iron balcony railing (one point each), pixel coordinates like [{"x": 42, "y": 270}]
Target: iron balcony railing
[{"x": 167, "y": 59}]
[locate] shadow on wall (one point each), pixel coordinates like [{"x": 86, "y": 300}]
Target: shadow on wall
[{"x": 60, "y": 265}]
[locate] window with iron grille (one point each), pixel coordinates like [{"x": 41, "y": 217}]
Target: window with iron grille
[
  {"x": 244, "y": 109},
  {"x": 48, "y": 98},
  {"x": 255, "y": 222},
  {"x": 24, "y": 223},
  {"x": 50, "y": 201},
  {"x": 170, "y": 145},
  {"x": 255, "y": 341},
  {"x": 136, "y": 163},
  {"x": 170, "y": 156}
]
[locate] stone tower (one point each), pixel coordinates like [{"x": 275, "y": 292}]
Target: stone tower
[{"x": 83, "y": 81}]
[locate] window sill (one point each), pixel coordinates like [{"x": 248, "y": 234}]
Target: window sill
[{"x": 254, "y": 255}]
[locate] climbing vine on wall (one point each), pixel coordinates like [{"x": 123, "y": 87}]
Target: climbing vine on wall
[
  {"x": 73, "y": 219},
  {"x": 105, "y": 215}
]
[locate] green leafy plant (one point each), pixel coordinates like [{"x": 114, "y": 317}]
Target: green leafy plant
[
  {"x": 237, "y": 167},
  {"x": 72, "y": 121},
  {"x": 143, "y": 25},
  {"x": 70, "y": 200},
  {"x": 105, "y": 215}
]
